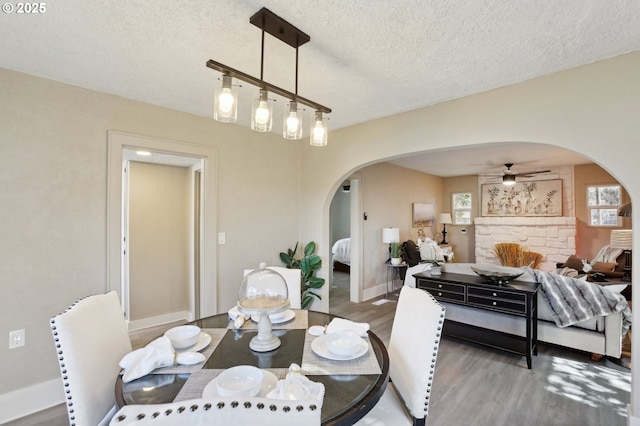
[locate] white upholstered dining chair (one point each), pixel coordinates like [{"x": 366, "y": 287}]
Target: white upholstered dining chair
[
  {"x": 413, "y": 349},
  {"x": 238, "y": 411},
  {"x": 293, "y": 279},
  {"x": 91, "y": 337}
]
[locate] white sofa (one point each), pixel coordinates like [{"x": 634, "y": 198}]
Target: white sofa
[{"x": 601, "y": 335}]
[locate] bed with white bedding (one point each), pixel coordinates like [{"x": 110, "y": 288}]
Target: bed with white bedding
[{"x": 341, "y": 255}]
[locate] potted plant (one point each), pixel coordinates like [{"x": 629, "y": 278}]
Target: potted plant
[
  {"x": 308, "y": 265},
  {"x": 436, "y": 267},
  {"x": 396, "y": 253},
  {"x": 431, "y": 253}
]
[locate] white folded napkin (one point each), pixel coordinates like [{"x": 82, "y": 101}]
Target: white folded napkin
[
  {"x": 297, "y": 386},
  {"x": 339, "y": 324},
  {"x": 237, "y": 317},
  {"x": 158, "y": 353}
]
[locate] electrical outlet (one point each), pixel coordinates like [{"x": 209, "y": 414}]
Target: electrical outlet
[
  {"x": 16, "y": 338},
  {"x": 222, "y": 238}
]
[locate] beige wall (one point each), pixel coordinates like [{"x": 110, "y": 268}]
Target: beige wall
[
  {"x": 463, "y": 244},
  {"x": 159, "y": 218},
  {"x": 388, "y": 192},
  {"x": 591, "y": 239},
  {"x": 53, "y": 175}
]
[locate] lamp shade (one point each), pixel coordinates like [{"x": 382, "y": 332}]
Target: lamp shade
[
  {"x": 226, "y": 102},
  {"x": 445, "y": 218},
  {"x": 292, "y": 124},
  {"x": 262, "y": 112},
  {"x": 390, "y": 235},
  {"x": 509, "y": 179},
  {"x": 622, "y": 239}
]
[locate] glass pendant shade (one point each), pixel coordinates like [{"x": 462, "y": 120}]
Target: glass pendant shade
[
  {"x": 262, "y": 113},
  {"x": 292, "y": 122},
  {"x": 225, "y": 107},
  {"x": 319, "y": 130}
]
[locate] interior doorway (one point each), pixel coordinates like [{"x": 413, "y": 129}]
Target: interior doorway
[
  {"x": 160, "y": 238},
  {"x": 197, "y": 164},
  {"x": 346, "y": 241}
]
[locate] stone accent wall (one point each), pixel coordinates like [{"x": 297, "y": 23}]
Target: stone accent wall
[{"x": 553, "y": 237}]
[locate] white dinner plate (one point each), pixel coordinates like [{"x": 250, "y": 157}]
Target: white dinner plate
[
  {"x": 319, "y": 346},
  {"x": 269, "y": 381},
  {"x": 203, "y": 341},
  {"x": 287, "y": 315}
]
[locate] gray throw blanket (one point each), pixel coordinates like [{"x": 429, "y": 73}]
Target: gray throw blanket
[{"x": 572, "y": 300}]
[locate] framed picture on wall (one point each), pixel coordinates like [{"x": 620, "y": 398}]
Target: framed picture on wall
[
  {"x": 422, "y": 215},
  {"x": 531, "y": 198}
]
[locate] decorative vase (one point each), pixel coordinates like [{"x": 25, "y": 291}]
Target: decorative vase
[
  {"x": 436, "y": 270},
  {"x": 396, "y": 260}
]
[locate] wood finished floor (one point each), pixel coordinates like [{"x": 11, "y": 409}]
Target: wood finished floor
[{"x": 474, "y": 385}]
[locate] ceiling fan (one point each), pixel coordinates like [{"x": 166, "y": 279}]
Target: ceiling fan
[{"x": 509, "y": 177}]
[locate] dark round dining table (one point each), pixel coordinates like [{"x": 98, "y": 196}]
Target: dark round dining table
[{"x": 348, "y": 397}]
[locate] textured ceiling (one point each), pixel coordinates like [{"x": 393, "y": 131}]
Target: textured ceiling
[{"x": 366, "y": 59}]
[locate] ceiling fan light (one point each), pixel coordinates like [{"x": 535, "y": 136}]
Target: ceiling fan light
[
  {"x": 292, "y": 122},
  {"x": 262, "y": 113},
  {"x": 508, "y": 180},
  {"x": 225, "y": 107},
  {"x": 319, "y": 130}
]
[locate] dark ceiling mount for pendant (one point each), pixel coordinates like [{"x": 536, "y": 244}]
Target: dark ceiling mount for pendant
[{"x": 271, "y": 23}]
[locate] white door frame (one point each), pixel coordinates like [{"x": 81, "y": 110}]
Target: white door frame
[
  {"x": 355, "y": 269},
  {"x": 117, "y": 142}
]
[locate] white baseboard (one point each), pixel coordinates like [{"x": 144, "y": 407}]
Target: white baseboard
[
  {"x": 160, "y": 320},
  {"x": 632, "y": 421},
  {"x": 372, "y": 292},
  {"x": 29, "y": 400}
]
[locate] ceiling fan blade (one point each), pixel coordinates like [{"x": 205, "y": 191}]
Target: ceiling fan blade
[{"x": 532, "y": 173}]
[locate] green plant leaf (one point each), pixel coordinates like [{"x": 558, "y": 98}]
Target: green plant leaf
[
  {"x": 310, "y": 248},
  {"x": 310, "y": 264},
  {"x": 307, "y": 301}
]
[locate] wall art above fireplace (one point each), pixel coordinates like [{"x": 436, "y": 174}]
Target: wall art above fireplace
[{"x": 529, "y": 198}]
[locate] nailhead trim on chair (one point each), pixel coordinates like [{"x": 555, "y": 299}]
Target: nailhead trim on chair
[
  {"x": 220, "y": 405},
  {"x": 63, "y": 370},
  {"x": 433, "y": 361}
]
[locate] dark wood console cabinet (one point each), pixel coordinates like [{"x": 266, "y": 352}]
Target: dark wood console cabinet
[{"x": 515, "y": 298}]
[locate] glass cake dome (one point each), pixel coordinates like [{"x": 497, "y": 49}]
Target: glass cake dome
[{"x": 263, "y": 292}]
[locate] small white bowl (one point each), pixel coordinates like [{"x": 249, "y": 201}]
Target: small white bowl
[
  {"x": 183, "y": 336},
  {"x": 242, "y": 380},
  {"x": 345, "y": 342}
]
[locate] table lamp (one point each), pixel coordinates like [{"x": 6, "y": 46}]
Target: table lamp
[
  {"x": 263, "y": 292},
  {"x": 623, "y": 239},
  {"x": 391, "y": 236},
  {"x": 444, "y": 219}
]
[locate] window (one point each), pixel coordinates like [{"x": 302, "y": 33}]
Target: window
[
  {"x": 461, "y": 203},
  {"x": 603, "y": 202}
]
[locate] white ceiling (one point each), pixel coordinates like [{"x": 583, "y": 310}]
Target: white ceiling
[{"x": 366, "y": 59}]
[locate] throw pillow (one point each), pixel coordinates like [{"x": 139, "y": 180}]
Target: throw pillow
[
  {"x": 604, "y": 267},
  {"x": 573, "y": 262},
  {"x": 410, "y": 253}
]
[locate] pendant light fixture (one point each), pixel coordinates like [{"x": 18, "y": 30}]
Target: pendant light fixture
[
  {"x": 318, "y": 136},
  {"x": 262, "y": 112},
  {"x": 292, "y": 121},
  {"x": 225, "y": 107},
  {"x": 226, "y": 101}
]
